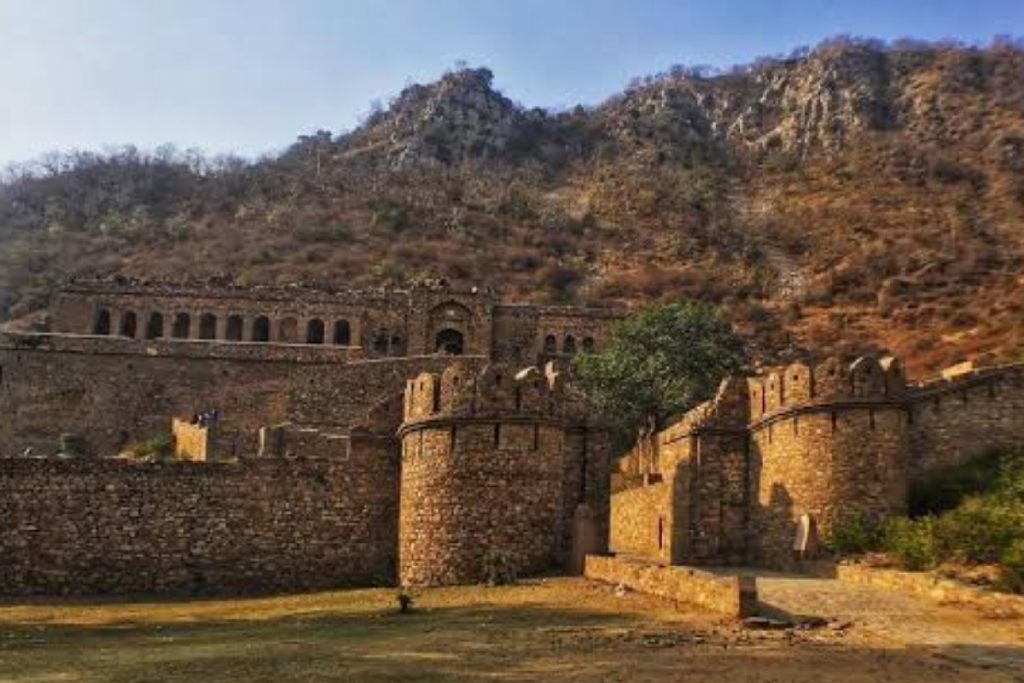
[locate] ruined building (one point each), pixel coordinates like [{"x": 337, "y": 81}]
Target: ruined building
[
  {"x": 732, "y": 481},
  {"x": 372, "y": 438},
  {"x": 359, "y": 439},
  {"x": 121, "y": 357}
]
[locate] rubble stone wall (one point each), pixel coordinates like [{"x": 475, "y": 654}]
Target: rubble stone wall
[
  {"x": 92, "y": 526},
  {"x": 730, "y": 595},
  {"x": 114, "y": 391},
  {"x": 494, "y": 465}
]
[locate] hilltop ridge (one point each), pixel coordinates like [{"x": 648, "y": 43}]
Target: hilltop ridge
[{"x": 850, "y": 195}]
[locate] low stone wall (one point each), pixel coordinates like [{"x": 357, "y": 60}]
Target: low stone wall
[
  {"x": 733, "y": 596},
  {"x": 928, "y": 585},
  {"x": 93, "y": 526}
]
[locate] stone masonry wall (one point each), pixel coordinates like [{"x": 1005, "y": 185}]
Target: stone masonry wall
[
  {"x": 114, "y": 391},
  {"x": 827, "y": 464},
  {"x": 952, "y": 420},
  {"x": 642, "y": 521},
  {"x": 497, "y": 460},
  {"x": 471, "y": 488},
  {"x": 732, "y": 596},
  {"x": 90, "y": 526}
]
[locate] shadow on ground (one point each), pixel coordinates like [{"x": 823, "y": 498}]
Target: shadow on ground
[{"x": 528, "y": 643}]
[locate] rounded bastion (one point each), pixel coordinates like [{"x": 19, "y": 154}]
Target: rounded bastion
[{"x": 482, "y": 474}]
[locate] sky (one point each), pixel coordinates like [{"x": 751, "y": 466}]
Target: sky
[{"x": 249, "y": 76}]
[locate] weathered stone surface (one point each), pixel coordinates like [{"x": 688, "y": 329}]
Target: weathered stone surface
[
  {"x": 734, "y": 596},
  {"x": 87, "y": 526},
  {"x": 496, "y": 463},
  {"x": 731, "y": 480}
]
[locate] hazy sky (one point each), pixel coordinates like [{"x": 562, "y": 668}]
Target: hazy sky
[{"x": 250, "y": 75}]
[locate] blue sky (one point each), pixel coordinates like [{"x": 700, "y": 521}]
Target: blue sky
[{"x": 249, "y": 76}]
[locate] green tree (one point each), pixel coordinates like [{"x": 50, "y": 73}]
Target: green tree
[{"x": 661, "y": 362}]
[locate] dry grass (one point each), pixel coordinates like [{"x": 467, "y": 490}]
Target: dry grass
[{"x": 549, "y": 630}]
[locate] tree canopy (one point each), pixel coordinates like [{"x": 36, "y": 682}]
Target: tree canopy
[{"x": 661, "y": 362}]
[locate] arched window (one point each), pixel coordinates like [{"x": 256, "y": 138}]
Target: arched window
[
  {"x": 101, "y": 324},
  {"x": 569, "y": 345},
  {"x": 234, "y": 328},
  {"x": 288, "y": 331},
  {"x": 129, "y": 324},
  {"x": 449, "y": 341},
  {"x": 397, "y": 347},
  {"x": 207, "y": 326},
  {"x": 550, "y": 345},
  {"x": 342, "y": 333},
  {"x": 380, "y": 343},
  {"x": 155, "y": 326},
  {"x": 261, "y": 329},
  {"x": 588, "y": 345},
  {"x": 315, "y": 331},
  {"x": 182, "y": 326}
]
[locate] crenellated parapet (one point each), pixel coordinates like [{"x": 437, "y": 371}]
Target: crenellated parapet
[
  {"x": 498, "y": 391},
  {"x": 830, "y": 383}
]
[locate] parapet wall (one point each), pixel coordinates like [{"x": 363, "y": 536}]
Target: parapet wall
[{"x": 88, "y": 526}]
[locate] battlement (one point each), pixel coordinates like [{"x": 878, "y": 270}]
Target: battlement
[
  {"x": 496, "y": 391},
  {"x": 832, "y": 381}
]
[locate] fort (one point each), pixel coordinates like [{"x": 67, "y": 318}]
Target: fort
[
  {"x": 373, "y": 438},
  {"x": 397, "y": 437},
  {"x": 732, "y": 481}
]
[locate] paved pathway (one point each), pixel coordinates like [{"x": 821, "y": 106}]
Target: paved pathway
[{"x": 885, "y": 615}]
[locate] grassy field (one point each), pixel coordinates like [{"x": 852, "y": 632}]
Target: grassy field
[{"x": 551, "y": 630}]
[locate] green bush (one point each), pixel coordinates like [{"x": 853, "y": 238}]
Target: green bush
[
  {"x": 981, "y": 529},
  {"x": 856, "y": 534},
  {"x": 155, "y": 449},
  {"x": 946, "y": 488},
  {"x": 912, "y": 541},
  {"x": 1013, "y": 560}
]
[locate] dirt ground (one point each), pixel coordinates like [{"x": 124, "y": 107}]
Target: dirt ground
[{"x": 545, "y": 630}]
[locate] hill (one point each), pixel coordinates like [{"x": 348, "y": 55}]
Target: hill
[{"x": 856, "y": 195}]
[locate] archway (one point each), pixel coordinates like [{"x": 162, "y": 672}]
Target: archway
[
  {"x": 234, "y": 329},
  {"x": 102, "y": 323},
  {"x": 288, "y": 331},
  {"x": 261, "y": 329},
  {"x": 128, "y": 324},
  {"x": 342, "y": 333},
  {"x": 449, "y": 341},
  {"x": 315, "y": 331},
  {"x": 207, "y": 326},
  {"x": 155, "y": 326},
  {"x": 182, "y": 326}
]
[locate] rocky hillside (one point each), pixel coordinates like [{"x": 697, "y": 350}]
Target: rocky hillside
[{"x": 852, "y": 196}]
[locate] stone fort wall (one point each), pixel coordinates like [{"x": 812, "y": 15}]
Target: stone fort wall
[
  {"x": 729, "y": 482},
  {"x": 495, "y": 461},
  {"x": 93, "y": 526},
  {"x": 112, "y": 391}
]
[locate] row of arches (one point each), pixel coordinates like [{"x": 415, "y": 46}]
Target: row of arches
[
  {"x": 235, "y": 328},
  {"x": 569, "y": 347}
]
